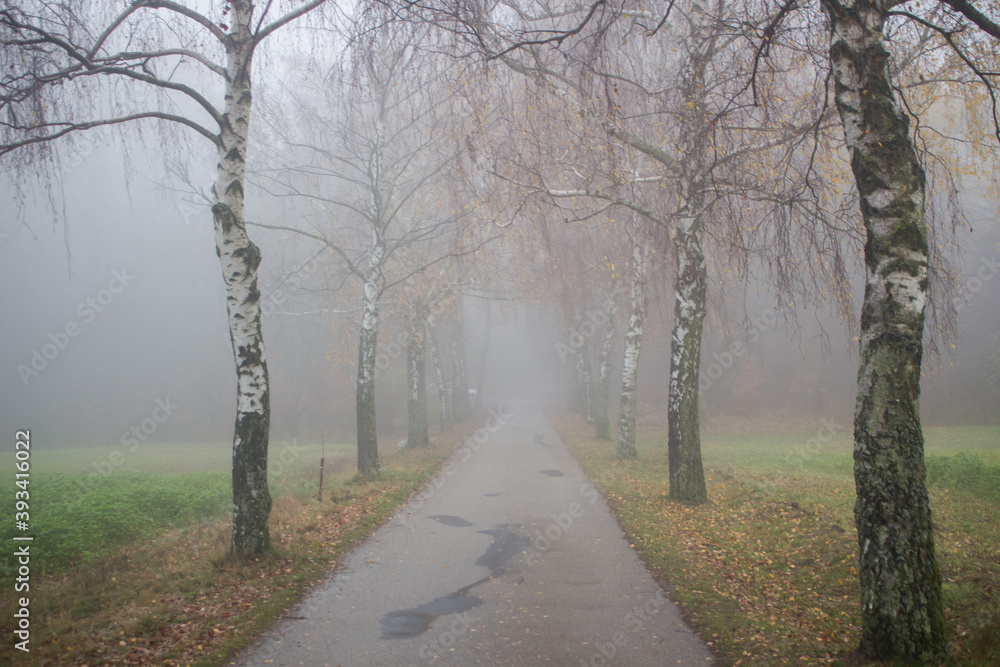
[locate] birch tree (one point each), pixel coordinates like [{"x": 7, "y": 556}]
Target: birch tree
[
  {"x": 690, "y": 94},
  {"x": 416, "y": 374},
  {"x": 902, "y": 605},
  {"x": 641, "y": 249},
  {"x": 74, "y": 67},
  {"x": 602, "y": 418},
  {"x": 366, "y": 162}
]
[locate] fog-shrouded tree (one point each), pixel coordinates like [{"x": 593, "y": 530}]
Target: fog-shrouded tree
[
  {"x": 602, "y": 416},
  {"x": 638, "y": 301},
  {"x": 416, "y": 317},
  {"x": 443, "y": 402},
  {"x": 425, "y": 297},
  {"x": 461, "y": 408},
  {"x": 677, "y": 135},
  {"x": 366, "y": 155},
  {"x": 902, "y": 605},
  {"x": 76, "y": 66}
]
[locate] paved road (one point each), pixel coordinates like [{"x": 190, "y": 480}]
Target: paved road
[{"x": 508, "y": 557}]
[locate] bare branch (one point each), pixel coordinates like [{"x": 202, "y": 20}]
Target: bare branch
[
  {"x": 287, "y": 18},
  {"x": 966, "y": 9},
  {"x": 67, "y": 128}
]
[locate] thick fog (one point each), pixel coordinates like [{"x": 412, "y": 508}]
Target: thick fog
[
  {"x": 114, "y": 315},
  {"x": 115, "y": 309}
]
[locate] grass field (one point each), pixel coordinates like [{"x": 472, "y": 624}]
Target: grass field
[
  {"x": 766, "y": 570},
  {"x": 87, "y": 502},
  {"x": 129, "y": 560}
]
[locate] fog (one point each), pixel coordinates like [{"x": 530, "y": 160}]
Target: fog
[
  {"x": 114, "y": 303},
  {"x": 130, "y": 267}
]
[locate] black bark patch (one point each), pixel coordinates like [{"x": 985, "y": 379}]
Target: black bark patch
[
  {"x": 235, "y": 188},
  {"x": 224, "y": 218}
]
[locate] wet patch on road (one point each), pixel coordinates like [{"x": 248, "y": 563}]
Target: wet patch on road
[
  {"x": 506, "y": 543},
  {"x": 449, "y": 520},
  {"x": 552, "y": 472},
  {"x": 412, "y": 622},
  {"x": 407, "y": 623}
]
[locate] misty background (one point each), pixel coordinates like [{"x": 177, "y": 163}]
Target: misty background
[{"x": 164, "y": 336}]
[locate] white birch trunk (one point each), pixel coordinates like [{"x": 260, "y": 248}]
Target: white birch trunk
[
  {"x": 902, "y": 613},
  {"x": 368, "y": 456},
  {"x": 416, "y": 378},
  {"x": 443, "y": 412},
  {"x": 633, "y": 345},
  {"x": 585, "y": 376},
  {"x": 687, "y": 476},
  {"x": 240, "y": 259},
  {"x": 602, "y": 420},
  {"x": 460, "y": 408}
]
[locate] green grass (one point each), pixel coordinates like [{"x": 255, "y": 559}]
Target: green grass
[
  {"x": 87, "y": 502},
  {"x": 766, "y": 572},
  {"x": 75, "y": 519},
  {"x": 173, "y": 458},
  {"x": 129, "y": 560}
]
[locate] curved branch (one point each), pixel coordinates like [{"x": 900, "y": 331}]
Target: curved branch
[
  {"x": 558, "y": 38},
  {"x": 316, "y": 237},
  {"x": 111, "y": 28},
  {"x": 189, "y": 13},
  {"x": 287, "y": 18},
  {"x": 76, "y": 127},
  {"x": 949, "y": 37},
  {"x": 161, "y": 83},
  {"x": 966, "y": 9},
  {"x": 188, "y": 53}
]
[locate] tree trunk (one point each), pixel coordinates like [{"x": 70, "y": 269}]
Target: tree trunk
[
  {"x": 240, "y": 258},
  {"x": 443, "y": 412},
  {"x": 574, "y": 399},
  {"x": 585, "y": 377},
  {"x": 460, "y": 408},
  {"x": 484, "y": 353},
  {"x": 687, "y": 478},
  {"x": 416, "y": 395},
  {"x": 633, "y": 344},
  {"x": 368, "y": 459},
  {"x": 602, "y": 420},
  {"x": 902, "y": 609}
]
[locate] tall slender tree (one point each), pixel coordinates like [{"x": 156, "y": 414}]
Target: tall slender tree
[
  {"x": 62, "y": 64},
  {"x": 364, "y": 168},
  {"x": 638, "y": 300},
  {"x": 902, "y": 607}
]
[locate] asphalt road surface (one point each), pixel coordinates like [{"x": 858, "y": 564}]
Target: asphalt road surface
[{"x": 508, "y": 557}]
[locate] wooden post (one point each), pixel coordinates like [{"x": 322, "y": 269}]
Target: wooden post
[{"x": 322, "y": 461}]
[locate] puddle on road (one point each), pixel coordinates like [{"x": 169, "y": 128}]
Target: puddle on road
[
  {"x": 407, "y": 623},
  {"x": 412, "y": 622},
  {"x": 552, "y": 472},
  {"x": 454, "y": 521},
  {"x": 490, "y": 495}
]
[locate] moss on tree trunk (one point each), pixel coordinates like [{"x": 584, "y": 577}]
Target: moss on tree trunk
[
  {"x": 901, "y": 602},
  {"x": 687, "y": 476}
]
